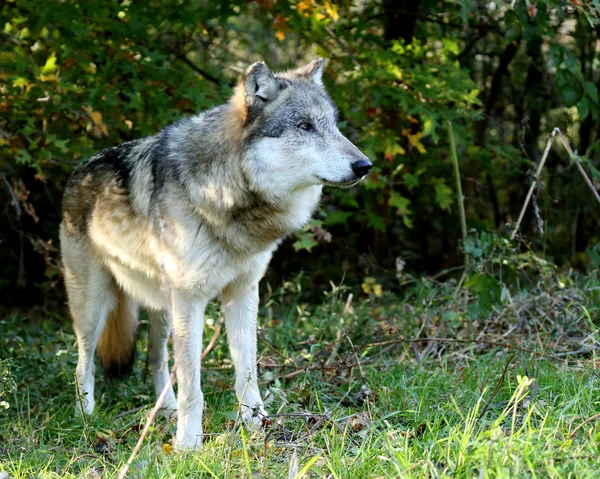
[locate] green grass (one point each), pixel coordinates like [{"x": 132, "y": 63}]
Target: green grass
[{"x": 380, "y": 407}]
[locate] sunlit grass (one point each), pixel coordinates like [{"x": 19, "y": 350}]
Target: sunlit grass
[{"x": 419, "y": 409}]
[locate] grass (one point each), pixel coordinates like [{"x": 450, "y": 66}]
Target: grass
[{"x": 511, "y": 395}]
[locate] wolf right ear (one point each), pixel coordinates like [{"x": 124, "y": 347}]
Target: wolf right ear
[{"x": 259, "y": 84}]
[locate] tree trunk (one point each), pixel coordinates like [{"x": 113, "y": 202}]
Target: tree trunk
[
  {"x": 399, "y": 23},
  {"x": 400, "y": 19},
  {"x": 506, "y": 58}
]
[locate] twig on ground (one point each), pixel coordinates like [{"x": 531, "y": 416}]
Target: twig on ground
[
  {"x": 451, "y": 340},
  {"x": 471, "y": 341},
  {"x": 127, "y": 413},
  {"x": 498, "y": 386},
  {"x": 572, "y": 435},
  {"x": 153, "y": 413},
  {"x": 83, "y": 416},
  {"x": 362, "y": 373}
]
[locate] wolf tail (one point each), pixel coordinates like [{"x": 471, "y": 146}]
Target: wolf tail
[{"x": 116, "y": 347}]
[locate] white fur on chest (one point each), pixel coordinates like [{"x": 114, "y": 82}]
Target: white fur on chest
[{"x": 188, "y": 255}]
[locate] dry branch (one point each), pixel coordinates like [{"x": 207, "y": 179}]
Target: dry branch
[{"x": 572, "y": 155}]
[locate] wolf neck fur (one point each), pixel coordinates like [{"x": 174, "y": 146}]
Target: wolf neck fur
[{"x": 219, "y": 191}]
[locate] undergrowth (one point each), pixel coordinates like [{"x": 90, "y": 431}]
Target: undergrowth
[{"x": 493, "y": 376}]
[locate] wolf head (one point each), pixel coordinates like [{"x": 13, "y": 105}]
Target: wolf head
[{"x": 290, "y": 137}]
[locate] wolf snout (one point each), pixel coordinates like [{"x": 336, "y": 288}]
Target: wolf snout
[{"x": 361, "y": 167}]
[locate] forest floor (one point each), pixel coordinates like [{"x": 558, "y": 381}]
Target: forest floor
[{"x": 411, "y": 384}]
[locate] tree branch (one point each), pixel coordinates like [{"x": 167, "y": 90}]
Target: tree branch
[{"x": 197, "y": 69}]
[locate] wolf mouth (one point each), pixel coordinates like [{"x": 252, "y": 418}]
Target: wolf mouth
[{"x": 340, "y": 184}]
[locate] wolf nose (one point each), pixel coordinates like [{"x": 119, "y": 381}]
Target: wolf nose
[{"x": 361, "y": 168}]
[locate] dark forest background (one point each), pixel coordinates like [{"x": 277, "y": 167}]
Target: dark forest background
[{"x": 78, "y": 76}]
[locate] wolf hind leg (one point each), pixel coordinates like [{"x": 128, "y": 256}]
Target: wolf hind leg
[
  {"x": 158, "y": 357},
  {"x": 91, "y": 298}
]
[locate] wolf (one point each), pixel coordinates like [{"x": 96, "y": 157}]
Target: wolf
[{"x": 195, "y": 212}]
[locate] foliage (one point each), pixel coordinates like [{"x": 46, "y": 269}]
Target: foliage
[{"x": 77, "y": 77}]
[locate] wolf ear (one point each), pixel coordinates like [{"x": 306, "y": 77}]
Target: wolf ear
[
  {"x": 313, "y": 71},
  {"x": 259, "y": 83}
]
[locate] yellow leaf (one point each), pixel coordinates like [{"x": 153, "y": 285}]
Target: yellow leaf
[
  {"x": 415, "y": 140},
  {"x": 50, "y": 65},
  {"x": 280, "y": 26},
  {"x": 167, "y": 449},
  {"x": 52, "y": 77},
  {"x": 392, "y": 149},
  {"x": 99, "y": 128},
  {"x": 20, "y": 82},
  {"x": 331, "y": 9},
  {"x": 96, "y": 117},
  {"x": 305, "y": 6},
  {"x": 395, "y": 70}
]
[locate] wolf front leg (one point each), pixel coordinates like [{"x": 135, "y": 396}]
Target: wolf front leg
[
  {"x": 188, "y": 322},
  {"x": 240, "y": 305},
  {"x": 158, "y": 358}
]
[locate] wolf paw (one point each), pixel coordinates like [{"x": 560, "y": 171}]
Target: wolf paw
[
  {"x": 169, "y": 412},
  {"x": 88, "y": 406},
  {"x": 168, "y": 408},
  {"x": 255, "y": 417},
  {"x": 188, "y": 443}
]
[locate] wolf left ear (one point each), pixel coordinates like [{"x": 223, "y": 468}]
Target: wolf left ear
[
  {"x": 259, "y": 83},
  {"x": 313, "y": 71}
]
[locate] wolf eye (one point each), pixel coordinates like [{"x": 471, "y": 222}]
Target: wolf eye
[{"x": 306, "y": 126}]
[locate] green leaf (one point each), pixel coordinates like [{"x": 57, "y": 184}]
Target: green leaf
[
  {"x": 570, "y": 93},
  {"x": 400, "y": 202},
  {"x": 443, "y": 195},
  {"x": 411, "y": 180},
  {"x": 375, "y": 221},
  {"x": 305, "y": 241},
  {"x": 451, "y": 318},
  {"x": 489, "y": 291},
  {"x": 594, "y": 254},
  {"x": 592, "y": 90},
  {"x": 337, "y": 217},
  {"x": 24, "y": 157},
  {"x": 583, "y": 108}
]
